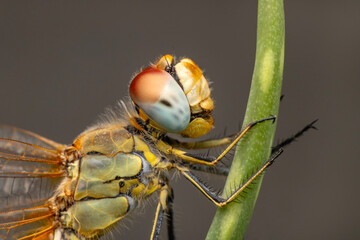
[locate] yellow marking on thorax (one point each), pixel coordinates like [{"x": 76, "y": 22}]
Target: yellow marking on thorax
[{"x": 140, "y": 145}]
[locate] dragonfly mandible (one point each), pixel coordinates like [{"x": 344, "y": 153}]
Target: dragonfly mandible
[{"x": 80, "y": 191}]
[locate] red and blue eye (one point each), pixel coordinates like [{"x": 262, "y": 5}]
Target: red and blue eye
[{"x": 158, "y": 94}]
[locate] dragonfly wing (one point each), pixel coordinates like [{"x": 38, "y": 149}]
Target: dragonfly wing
[
  {"x": 30, "y": 223},
  {"x": 30, "y": 171},
  {"x": 23, "y": 135}
]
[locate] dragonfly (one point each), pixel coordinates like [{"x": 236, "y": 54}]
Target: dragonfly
[{"x": 81, "y": 191}]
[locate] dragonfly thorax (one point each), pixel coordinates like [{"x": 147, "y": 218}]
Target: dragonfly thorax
[{"x": 114, "y": 168}]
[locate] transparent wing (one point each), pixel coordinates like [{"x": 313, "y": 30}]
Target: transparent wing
[
  {"x": 22, "y": 135},
  {"x": 29, "y": 223},
  {"x": 30, "y": 171}
]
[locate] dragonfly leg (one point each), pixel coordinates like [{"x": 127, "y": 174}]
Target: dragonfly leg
[
  {"x": 214, "y": 197},
  {"x": 198, "y": 145},
  {"x": 209, "y": 161},
  {"x": 293, "y": 138},
  {"x": 224, "y": 170},
  {"x": 164, "y": 207},
  {"x": 217, "y": 169}
]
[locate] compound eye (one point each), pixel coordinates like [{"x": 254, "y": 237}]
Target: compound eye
[{"x": 158, "y": 94}]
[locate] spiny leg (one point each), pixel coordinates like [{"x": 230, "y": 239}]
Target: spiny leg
[
  {"x": 217, "y": 170},
  {"x": 227, "y": 140},
  {"x": 170, "y": 217},
  {"x": 164, "y": 207},
  {"x": 206, "y": 160},
  {"x": 198, "y": 145},
  {"x": 159, "y": 214},
  {"x": 224, "y": 170},
  {"x": 212, "y": 142},
  {"x": 214, "y": 197},
  {"x": 293, "y": 138}
]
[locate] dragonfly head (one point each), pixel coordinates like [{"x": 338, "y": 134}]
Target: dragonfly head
[{"x": 174, "y": 97}]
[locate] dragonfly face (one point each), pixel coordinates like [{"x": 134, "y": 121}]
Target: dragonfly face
[
  {"x": 184, "y": 108},
  {"x": 113, "y": 166}
]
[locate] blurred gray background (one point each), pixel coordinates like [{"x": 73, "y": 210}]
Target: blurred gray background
[{"x": 63, "y": 62}]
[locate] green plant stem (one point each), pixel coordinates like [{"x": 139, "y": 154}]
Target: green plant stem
[{"x": 231, "y": 221}]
